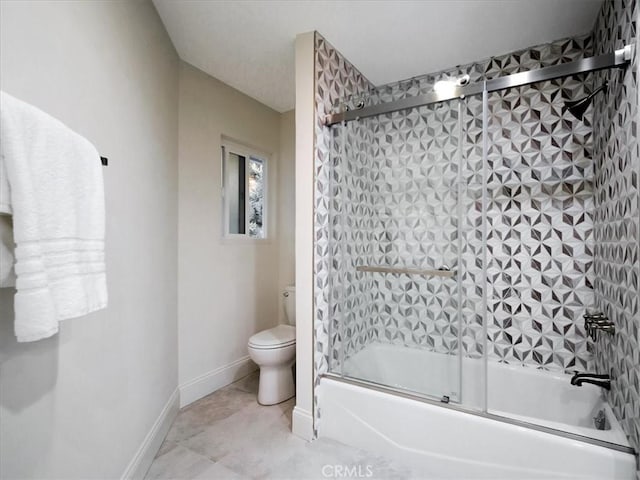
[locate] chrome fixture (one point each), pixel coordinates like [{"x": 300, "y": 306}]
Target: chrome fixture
[
  {"x": 578, "y": 107},
  {"x": 600, "y": 380},
  {"x": 354, "y": 103},
  {"x": 618, "y": 58},
  {"x": 594, "y": 322},
  {"x": 463, "y": 80},
  {"x": 406, "y": 271},
  {"x": 450, "y": 85}
]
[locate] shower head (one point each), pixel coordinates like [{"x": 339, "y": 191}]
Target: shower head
[{"x": 578, "y": 107}]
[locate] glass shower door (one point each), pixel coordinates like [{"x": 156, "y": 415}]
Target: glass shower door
[
  {"x": 396, "y": 246},
  {"x": 540, "y": 222}
]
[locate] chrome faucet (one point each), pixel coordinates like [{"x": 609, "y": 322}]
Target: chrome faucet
[
  {"x": 600, "y": 380},
  {"x": 598, "y": 321}
]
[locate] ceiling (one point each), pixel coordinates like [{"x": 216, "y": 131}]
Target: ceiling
[{"x": 249, "y": 44}]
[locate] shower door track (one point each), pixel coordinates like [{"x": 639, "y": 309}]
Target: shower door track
[
  {"x": 430, "y": 400},
  {"x": 618, "y": 58}
]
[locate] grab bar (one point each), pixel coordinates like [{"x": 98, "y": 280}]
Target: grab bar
[{"x": 407, "y": 271}]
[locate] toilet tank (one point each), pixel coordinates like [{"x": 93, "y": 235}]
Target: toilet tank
[{"x": 290, "y": 304}]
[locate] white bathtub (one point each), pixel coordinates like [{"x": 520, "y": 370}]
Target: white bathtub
[{"x": 450, "y": 443}]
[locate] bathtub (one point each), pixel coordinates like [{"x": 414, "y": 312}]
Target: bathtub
[{"x": 451, "y": 441}]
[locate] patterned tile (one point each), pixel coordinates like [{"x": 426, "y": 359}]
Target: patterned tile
[
  {"x": 617, "y": 213},
  {"x": 339, "y": 300},
  {"x": 414, "y": 182}
]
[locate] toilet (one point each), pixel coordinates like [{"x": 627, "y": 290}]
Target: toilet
[{"x": 274, "y": 351}]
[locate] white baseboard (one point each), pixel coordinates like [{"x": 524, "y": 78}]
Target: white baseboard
[
  {"x": 302, "y": 424},
  {"x": 211, "y": 381},
  {"x": 141, "y": 461}
]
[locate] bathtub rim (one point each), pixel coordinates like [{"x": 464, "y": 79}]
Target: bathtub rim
[{"x": 512, "y": 421}]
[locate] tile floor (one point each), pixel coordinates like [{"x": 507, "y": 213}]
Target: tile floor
[{"x": 228, "y": 435}]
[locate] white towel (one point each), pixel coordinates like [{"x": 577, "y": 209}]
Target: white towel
[
  {"x": 57, "y": 201},
  {"x": 5, "y": 190},
  {"x": 7, "y": 275}
]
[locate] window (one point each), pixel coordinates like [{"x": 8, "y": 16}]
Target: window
[{"x": 244, "y": 190}]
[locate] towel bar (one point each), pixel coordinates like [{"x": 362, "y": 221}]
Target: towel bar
[{"x": 407, "y": 271}]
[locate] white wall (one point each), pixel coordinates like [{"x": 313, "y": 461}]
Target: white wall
[
  {"x": 305, "y": 124},
  {"x": 228, "y": 290},
  {"x": 80, "y": 404},
  {"x": 286, "y": 204}
]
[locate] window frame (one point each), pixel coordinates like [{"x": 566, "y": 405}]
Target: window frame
[{"x": 229, "y": 146}]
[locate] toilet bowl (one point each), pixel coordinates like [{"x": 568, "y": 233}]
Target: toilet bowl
[{"x": 274, "y": 351}]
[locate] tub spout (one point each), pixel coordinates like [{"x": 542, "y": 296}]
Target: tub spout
[{"x": 600, "y": 380}]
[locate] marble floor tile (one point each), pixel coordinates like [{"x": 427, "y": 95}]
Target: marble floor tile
[
  {"x": 196, "y": 417},
  {"x": 166, "y": 446},
  {"x": 229, "y": 436},
  {"x": 248, "y": 383},
  {"x": 238, "y": 431},
  {"x": 179, "y": 462},
  {"x": 219, "y": 472},
  {"x": 263, "y": 451}
]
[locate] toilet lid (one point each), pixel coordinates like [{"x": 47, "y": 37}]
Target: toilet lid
[{"x": 279, "y": 336}]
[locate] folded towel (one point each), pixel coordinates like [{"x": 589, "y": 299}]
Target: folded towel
[
  {"x": 5, "y": 190},
  {"x": 7, "y": 275},
  {"x": 57, "y": 201}
]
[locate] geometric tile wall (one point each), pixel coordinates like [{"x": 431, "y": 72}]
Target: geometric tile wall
[
  {"x": 350, "y": 211},
  {"x": 539, "y": 189},
  {"x": 414, "y": 183},
  {"x": 335, "y": 80},
  {"x": 540, "y": 224},
  {"x": 539, "y": 214},
  {"x": 617, "y": 213},
  {"x": 539, "y": 183}
]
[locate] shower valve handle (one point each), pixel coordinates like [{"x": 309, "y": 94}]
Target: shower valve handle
[{"x": 598, "y": 321}]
